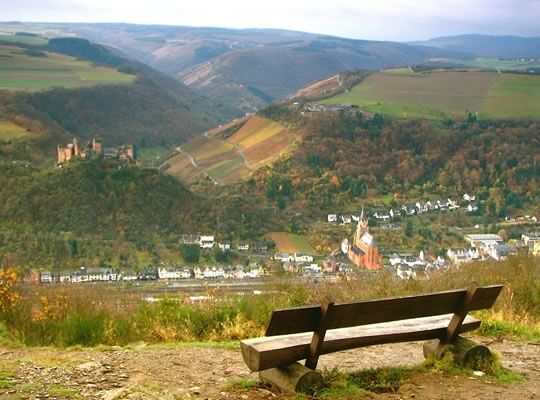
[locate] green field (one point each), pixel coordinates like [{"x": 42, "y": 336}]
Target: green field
[
  {"x": 491, "y": 63},
  {"x": 290, "y": 243},
  {"x": 20, "y": 71},
  {"x": 36, "y": 41},
  {"x": 149, "y": 154},
  {"x": 11, "y": 131},
  {"x": 404, "y": 93}
]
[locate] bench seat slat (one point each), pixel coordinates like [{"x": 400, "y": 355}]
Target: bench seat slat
[{"x": 268, "y": 352}]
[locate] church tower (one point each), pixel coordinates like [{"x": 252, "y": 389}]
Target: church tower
[{"x": 361, "y": 228}]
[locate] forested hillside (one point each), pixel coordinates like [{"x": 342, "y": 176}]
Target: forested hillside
[{"x": 345, "y": 155}]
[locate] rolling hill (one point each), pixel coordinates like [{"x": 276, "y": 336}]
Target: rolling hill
[
  {"x": 87, "y": 91},
  {"x": 246, "y": 68},
  {"x": 230, "y": 153},
  {"x": 440, "y": 94}
]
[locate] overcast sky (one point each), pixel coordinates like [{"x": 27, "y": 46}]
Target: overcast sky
[{"x": 399, "y": 20}]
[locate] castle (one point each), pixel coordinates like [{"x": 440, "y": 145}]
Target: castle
[
  {"x": 364, "y": 251},
  {"x": 93, "y": 149}
]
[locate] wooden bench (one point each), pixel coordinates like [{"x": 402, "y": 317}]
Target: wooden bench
[{"x": 307, "y": 332}]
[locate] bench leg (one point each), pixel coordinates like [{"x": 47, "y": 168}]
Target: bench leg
[
  {"x": 466, "y": 352},
  {"x": 292, "y": 378}
]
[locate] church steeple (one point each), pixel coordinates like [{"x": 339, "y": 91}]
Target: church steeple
[{"x": 361, "y": 228}]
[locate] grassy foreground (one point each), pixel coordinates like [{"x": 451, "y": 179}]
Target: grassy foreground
[{"x": 89, "y": 315}]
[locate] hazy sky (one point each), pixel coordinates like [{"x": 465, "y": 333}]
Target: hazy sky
[{"x": 362, "y": 19}]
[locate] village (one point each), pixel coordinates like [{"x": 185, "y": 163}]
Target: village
[{"x": 356, "y": 255}]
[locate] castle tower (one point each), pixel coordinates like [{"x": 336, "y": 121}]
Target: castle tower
[
  {"x": 61, "y": 154},
  {"x": 97, "y": 147},
  {"x": 76, "y": 150}
]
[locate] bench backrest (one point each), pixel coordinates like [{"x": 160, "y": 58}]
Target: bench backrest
[{"x": 344, "y": 315}]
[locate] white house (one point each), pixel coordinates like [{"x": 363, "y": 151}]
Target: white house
[
  {"x": 332, "y": 217},
  {"x": 206, "y": 242},
  {"x": 302, "y": 257},
  {"x": 224, "y": 245},
  {"x": 283, "y": 257},
  {"x": 483, "y": 241},
  {"x": 384, "y": 215},
  {"x": 395, "y": 212},
  {"x": 472, "y": 207},
  {"x": 346, "y": 219},
  {"x": 45, "y": 277},
  {"x": 173, "y": 273},
  {"x": 469, "y": 197},
  {"x": 243, "y": 246},
  {"x": 463, "y": 255}
]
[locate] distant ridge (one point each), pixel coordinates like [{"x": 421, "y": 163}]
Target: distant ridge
[{"x": 488, "y": 45}]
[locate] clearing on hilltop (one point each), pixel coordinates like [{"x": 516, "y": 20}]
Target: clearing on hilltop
[
  {"x": 31, "y": 70},
  {"x": 232, "y": 152},
  {"x": 438, "y": 94}
]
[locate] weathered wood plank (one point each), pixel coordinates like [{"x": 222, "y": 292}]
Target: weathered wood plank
[
  {"x": 460, "y": 313},
  {"x": 292, "y": 378},
  {"x": 318, "y": 337},
  {"x": 294, "y": 320},
  {"x": 268, "y": 352},
  {"x": 401, "y": 308}
]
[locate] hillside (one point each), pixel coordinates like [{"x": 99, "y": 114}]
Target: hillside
[
  {"x": 246, "y": 68},
  {"x": 440, "y": 94},
  {"x": 56, "y": 97},
  {"x": 230, "y": 153}
]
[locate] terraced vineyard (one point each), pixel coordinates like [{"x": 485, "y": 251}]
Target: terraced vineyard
[
  {"x": 291, "y": 243},
  {"x": 404, "y": 93},
  {"x": 11, "y": 131},
  {"x": 230, "y": 153}
]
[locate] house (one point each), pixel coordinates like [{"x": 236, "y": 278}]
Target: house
[
  {"x": 129, "y": 276},
  {"x": 346, "y": 219},
  {"x": 409, "y": 209},
  {"x": 283, "y": 257},
  {"x": 469, "y": 197},
  {"x": 101, "y": 275},
  {"x": 260, "y": 246},
  {"x": 302, "y": 258},
  {"x": 172, "y": 273},
  {"x": 46, "y": 277},
  {"x": 206, "y": 242},
  {"x": 483, "y": 241},
  {"x": 224, "y": 245},
  {"x": 332, "y": 217},
  {"x": 472, "y": 207},
  {"x": 395, "y": 212},
  {"x": 502, "y": 251},
  {"x": 214, "y": 273},
  {"x": 243, "y": 245},
  {"x": 529, "y": 239},
  {"x": 463, "y": 255},
  {"x": 148, "y": 274},
  {"x": 383, "y": 215},
  {"x": 189, "y": 239}
]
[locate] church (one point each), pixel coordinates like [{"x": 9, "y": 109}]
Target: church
[{"x": 364, "y": 252}]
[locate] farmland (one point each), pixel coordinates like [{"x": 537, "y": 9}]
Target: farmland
[
  {"x": 230, "y": 153},
  {"x": 404, "y": 93},
  {"x": 290, "y": 243},
  {"x": 24, "y": 70},
  {"x": 31, "y": 40},
  {"x": 10, "y": 131}
]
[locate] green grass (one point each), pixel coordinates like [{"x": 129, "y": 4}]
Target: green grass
[
  {"x": 11, "y": 131},
  {"x": 291, "y": 243},
  {"x": 58, "y": 390},
  {"x": 19, "y": 71},
  {"x": 490, "y": 63},
  {"x": 23, "y": 39},
  {"x": 437, "y": 95},
  {"x": 6, "y": 379},
  {"x": 147, "y": 155}
]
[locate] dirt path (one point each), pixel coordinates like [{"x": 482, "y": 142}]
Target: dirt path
[{"x": 203, "y": 373}]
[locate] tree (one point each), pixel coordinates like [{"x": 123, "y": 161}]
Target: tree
[
  {"x": 408, "y": 229},
  {"x": 190, "y": 253}
]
